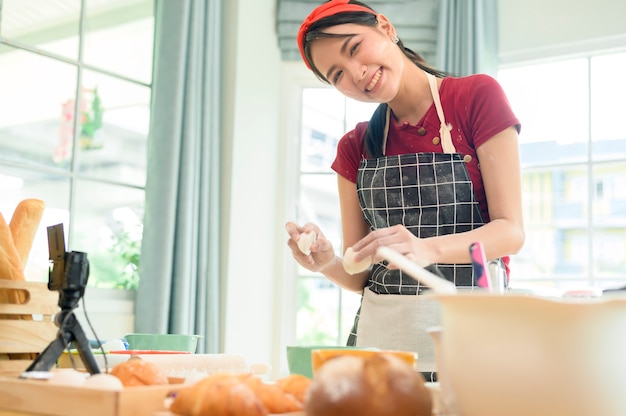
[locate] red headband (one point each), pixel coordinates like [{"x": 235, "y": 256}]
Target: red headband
[{"x": 327, "y": 9}]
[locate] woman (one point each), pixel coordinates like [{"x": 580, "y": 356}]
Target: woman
[{"x": 434, "y": 170}]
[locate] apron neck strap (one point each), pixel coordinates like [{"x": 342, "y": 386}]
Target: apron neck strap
[
  {"x": 386, "y": 129},
  {"x": 444, "y": 129}
]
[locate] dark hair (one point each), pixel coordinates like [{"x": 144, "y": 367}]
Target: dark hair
[{"x": 375, "y": 129}]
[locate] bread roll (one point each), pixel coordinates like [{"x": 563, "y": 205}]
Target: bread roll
[
  {"x": 379, "y": 385},
  {"x": 24, "y": 224},
  {"x": 274, "y": 399},
  {"x": 138, "y": 372},
  {"x": 218, "y": 395},
  {"x": 295, "y": 384}
]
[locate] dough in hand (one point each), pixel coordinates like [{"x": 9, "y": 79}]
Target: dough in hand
[
  {"x": 352, "y": 266},
  {"x": 305, "y": 241}
]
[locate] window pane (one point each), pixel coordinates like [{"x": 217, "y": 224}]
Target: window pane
[
  {"x": 608, "y": 89},
  {"x": 357, "y": 112},
  {"x": 319, "y": 204},
  {"x": 317, "y": 311},
  {"x": 109, "y": 231},
  {"x": 119, "y": 37},
  {"x": 34, "y": 124},
  {"x": 46, "y": 25},
  {"x": 325, "y": 312},
  {"x": 556, "y": 213},
  {"x": 59, "y": 137},
  {"x": 552, "y": 102},
  {"x": 350, "y": 303},
  {"x": 19, "y": 184},
  {"x": 323, "y": 125},
  {"x": 114, "y": 149},
  {"x": 609, "y": 223},
  {"x": 326, "y": 116}
]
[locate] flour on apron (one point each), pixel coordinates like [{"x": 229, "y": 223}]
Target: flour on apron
[{"x": 431, "y": 194}]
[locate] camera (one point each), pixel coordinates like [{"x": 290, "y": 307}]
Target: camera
[
  {"x": 70, "y": 271},
  {"x": 75, "y": 273}
]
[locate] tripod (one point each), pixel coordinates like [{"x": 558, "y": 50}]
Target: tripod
[
  {"x": 69, "y": 331},
  {"x": 69, "y": 276}
]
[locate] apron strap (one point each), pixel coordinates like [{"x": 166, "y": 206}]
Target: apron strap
[
  {"x": 386, "y": 130},
  {"x": 444, "y": 130}
]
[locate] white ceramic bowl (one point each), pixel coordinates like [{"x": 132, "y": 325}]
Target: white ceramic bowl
[{"x": 519, "y": 355}]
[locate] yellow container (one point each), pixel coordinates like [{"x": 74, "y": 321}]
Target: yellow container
[
  {"x": 320, "y": 356},
  {"x": 299, "y": 357}
]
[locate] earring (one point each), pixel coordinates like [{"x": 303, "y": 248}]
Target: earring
[{"x": 395, "y": 39}]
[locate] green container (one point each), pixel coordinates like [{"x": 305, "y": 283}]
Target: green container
[
  {"x": 163, "y": 342},
  {"x": 299, "y": 357}
]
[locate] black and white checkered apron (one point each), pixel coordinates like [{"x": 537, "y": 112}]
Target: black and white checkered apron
[{"x": 431, "y": 194}]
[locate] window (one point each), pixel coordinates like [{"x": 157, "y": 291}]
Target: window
[
  {"x": 76, "y": 83},
  {"x": 574, "y": 182},
  {"x": 324, "y": 312},
  {"x": 573, "y": 156}
]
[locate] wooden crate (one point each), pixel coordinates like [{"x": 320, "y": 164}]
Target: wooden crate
[
  {"x": 37, "y": 397},
  {"x": 16, "y": 398},
  {"x": 26, "y": 328}
]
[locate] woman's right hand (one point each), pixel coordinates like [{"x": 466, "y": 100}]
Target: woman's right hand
[{"x": 322, "y": 252}]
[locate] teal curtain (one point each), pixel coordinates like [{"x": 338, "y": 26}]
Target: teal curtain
[
  {"x": 467, "y": 39},
  {"x": 180, "y": 259}
]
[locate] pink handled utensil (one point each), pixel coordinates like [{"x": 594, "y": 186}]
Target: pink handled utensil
[{"x": 479, "y": 265}]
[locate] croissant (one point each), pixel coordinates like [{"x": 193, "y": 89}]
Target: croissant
[{"x": 218, "y": 395}]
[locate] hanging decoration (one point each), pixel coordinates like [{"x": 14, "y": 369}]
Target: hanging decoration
[{"x": 91, "y": 116}]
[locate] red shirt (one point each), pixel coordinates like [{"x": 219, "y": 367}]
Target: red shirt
[{"x": 475, "y": 106}]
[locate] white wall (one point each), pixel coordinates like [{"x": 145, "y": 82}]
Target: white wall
[
  {"x": 533, "y": 29},
  {"x": 252, "y": 100}
]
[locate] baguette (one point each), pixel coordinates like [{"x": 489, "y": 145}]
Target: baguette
[
  {"x": 24, "y": 224},
  {"x": 10, "y": 268},
  {"x": 10, "y": 263}
]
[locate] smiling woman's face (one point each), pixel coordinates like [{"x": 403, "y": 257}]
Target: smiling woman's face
[{"x": 364, "y": 63}]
